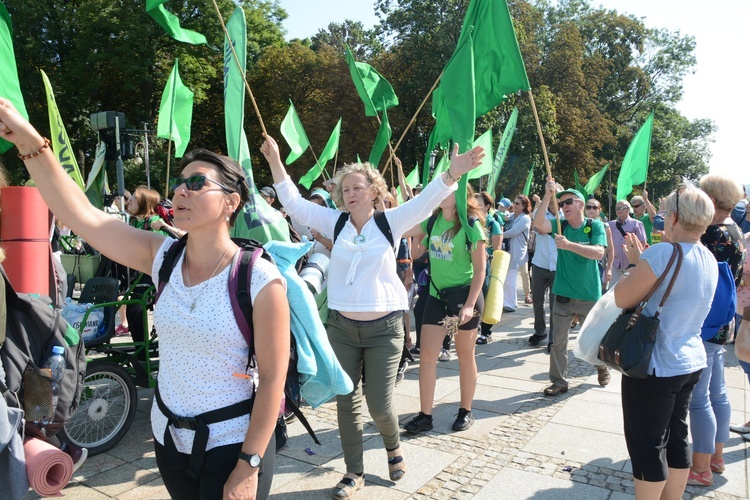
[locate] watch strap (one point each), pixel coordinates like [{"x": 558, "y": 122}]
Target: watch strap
[{"x": 252, "y": 460}]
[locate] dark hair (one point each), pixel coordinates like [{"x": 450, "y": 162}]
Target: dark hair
[
  {"x": 526, "y": 203},
  {"x": 487, "y": 199},
  {"x": 147, "y": 199},
  {"x": 230, "y": 173}
]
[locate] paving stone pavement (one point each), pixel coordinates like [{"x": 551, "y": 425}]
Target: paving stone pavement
[{"x": 522, "y": 445}]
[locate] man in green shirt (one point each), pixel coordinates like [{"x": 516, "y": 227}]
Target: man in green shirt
[
  {"x": 645, "y": 212},
  {"x": 577, "y": 284}
]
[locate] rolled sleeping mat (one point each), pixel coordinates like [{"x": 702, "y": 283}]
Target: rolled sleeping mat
[
  {"x": 49, "y": 469},
  {"x": 493, "y": 302}
]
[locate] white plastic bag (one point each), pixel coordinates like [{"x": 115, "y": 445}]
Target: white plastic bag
[
  {"x": 73, "y": 312},
  {"x": 598, "y": 320}
]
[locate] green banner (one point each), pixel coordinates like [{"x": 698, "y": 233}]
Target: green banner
[
  {"x": 176, "y": 112},
  {"x": 10, "y": 88},
  {"x": 502, "y": 150},
  {"x": 294, "y": 134},
  {"x": 374, "y": 90},
  {"x": 97, "y": 185},
  {"x": 527, "y": 186},
  {"x": 171, "y": 23},
  {"x": 381, "y": 140},
  {"x": 60, "y": 141},
  {"x": 329, "y": 152},
  {"x": 485, "y": 168},
  {"x": 634, "y": 169}
]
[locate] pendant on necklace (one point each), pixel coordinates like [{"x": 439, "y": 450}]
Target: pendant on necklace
[{"x": 359, "y": 239}]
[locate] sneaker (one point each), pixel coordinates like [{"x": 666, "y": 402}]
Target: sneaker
[
  {"x": 401, "y": 373},
  {"x": 603, "y": 376},
  {"x": 464, "y": 420},
  {"x": 508, "y": 309},
  {"x": 121, "y": 330},
  {"x": 740, "y": 428},
  {"x": 537, "y": 339},
  {"x": 415, "y": 350},
  {"x": 444, "y": 355},
  {"x": 700, "y": 479},
  {"x": 420, "y": 423},
  {"x": 484, "y": 339},
  {"x": 76, "y": 453}
]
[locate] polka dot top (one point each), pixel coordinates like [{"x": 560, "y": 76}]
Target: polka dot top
[{"x": 199, "y": 352}]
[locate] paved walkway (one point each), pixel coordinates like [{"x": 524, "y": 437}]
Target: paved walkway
[{"x": 522, "y": 445}]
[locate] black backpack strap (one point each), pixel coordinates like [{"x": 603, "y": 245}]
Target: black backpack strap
[
  {"x": 384, "y": 227},
  {"x": 340, "y": 223},
  {"x": 618, "y": 225},
  {"x": 171, "y": 255}
]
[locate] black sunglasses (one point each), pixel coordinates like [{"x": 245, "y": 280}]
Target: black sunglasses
[
  {"x": 569, "y": 201},
  {"x": 592, "y": 207},
  {"x": 636, "y": 206},
  {"x": 195, "y": 183}
]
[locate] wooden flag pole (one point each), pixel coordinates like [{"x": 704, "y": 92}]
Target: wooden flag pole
[
  {"x": 239, "y": 67},
  {"x": 546, "y": 159},
  {"x": 411, "y": 122}
]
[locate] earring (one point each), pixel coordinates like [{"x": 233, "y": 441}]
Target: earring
[{"x": 226, "y": 219}]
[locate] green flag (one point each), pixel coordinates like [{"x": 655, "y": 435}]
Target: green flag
[
  {"x": 498, "y": 64},
  {"x": 10, "y": 88},
  {"x": 527, "y": 186},
  {"x": 457, "y": 86},
  {"x": 442, "y": 164},
  {"x": 381, "y": 140},
  {"x": 60, "y": 141},
  {"x": 294, "y": 134},
  {"x": 97, "y": 185},
  {"x": 258, "y": 220},
  {"x": 374, "y": 90},
  {"x": 634, "y": 169},
  {"x": 578, "y": 184},
  {"x": 484, "y": 140},
  {"x": 176, "y": 112},
  {"x": 412, "y": 180},
  {"x": 594, "y": 181},
  {"x": 171, "y": 23},
  {"x": 502, "y": 150},
  {"x": 327, "y": 155}
]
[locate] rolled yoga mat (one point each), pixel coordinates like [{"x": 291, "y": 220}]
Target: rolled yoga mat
[
  {"x": 493, "y": 302},
  {"x": 25, "y": 234},
  {"x": 49, "y": 468}
]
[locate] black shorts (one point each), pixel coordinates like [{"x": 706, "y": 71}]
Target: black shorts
[{"x": 435, "y": 311}]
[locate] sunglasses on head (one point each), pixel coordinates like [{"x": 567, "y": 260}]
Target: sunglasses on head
[
  {"x": 195, "y": 183},
  {"x": 569, "y": 201},
  {"x": 592, "y": 207}
]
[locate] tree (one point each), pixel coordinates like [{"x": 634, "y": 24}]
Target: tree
[{"x": 363, "y": 43}]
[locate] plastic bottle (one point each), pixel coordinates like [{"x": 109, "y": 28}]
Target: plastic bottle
[{"x": 56, "y": 365}]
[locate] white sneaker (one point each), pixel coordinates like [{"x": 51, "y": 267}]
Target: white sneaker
[
  {"x": 444, "y": 355},
  {"x": 739, "y": 429}
]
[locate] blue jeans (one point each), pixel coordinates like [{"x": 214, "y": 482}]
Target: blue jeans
[{"x": 710, "y": 411}]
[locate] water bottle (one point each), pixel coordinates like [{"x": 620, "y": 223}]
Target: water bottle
[{"x": 56, "y": 365}]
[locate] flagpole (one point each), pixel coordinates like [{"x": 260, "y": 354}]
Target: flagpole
[
  {"x": 411, "y": 122},
  {"x": 169, "y": 157},
  {"x": 239, "y": 67},
  {"x": 546, "y": 159}
]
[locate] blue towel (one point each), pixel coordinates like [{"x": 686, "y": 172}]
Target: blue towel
[{"x": 321, "y": 375}]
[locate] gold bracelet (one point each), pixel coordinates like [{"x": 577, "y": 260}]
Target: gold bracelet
[
  {"x": 35, "y": 153},
  {"x": 448, "y": 173}
]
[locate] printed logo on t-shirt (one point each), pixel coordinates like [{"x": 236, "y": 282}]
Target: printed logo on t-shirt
[{"x": 441, "y": 247}]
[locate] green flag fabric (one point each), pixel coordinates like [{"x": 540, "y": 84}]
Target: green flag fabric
[
  {"x": 258, "y": 220},
  {"x": 579, "y": 188},
  {"x": 498, "y": 64},
  {"x": 294, "y": 134},
  {"x": 176, "y": 112},
  {"x": 381, "y": 140},
  {"x": 527, "y": 186},
  {"x": 502, "y": 150},
  {"x": 634, "y": 169},
  {"x": 171, "y": 23},
  {"x": 412, "y": 180},
  {"x": 60, "y": 141},
  {"x": 484, "y": 140},
  {"x": 327, "y": 155},
  {"x": 457, "y": 85},
  {"x": 97, "y": 185},
  {"x": 374, "y": 90},
  {"x": 10, "y": 88},
  {"x": 595, "y": 181},
  {"x": 442, "y": 164}
]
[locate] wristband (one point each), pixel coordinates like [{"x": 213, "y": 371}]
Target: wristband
[
  {"x": 450, "y": 176},
  {"x": 35, "y": 153}
]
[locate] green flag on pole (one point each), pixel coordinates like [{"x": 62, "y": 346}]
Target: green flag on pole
[
  {"x": 97, "y": 185},
  {"x": 60, "y": 141},
  {"x": 527, "y": 186},
  {"x": 374, "y": 90},
  {"x": 171, "y": 23},
  {"x": 176, "y": 112},
  {"x": 327, "y": 155},
  {"x": 10, "y": 88},
  {"x": 258, "y": 220},
  {"x": 294, "y": 134},
  {"x": 381, "y": 140},
  {"x": 579, "y": 188},
  {"x": 634, "y": 168},
  {"x": 412, "y": 180},
  {"x": 484, "y": 140},
  {"x": 594, "y": 181},
  {"x": 502, "y": 150}
]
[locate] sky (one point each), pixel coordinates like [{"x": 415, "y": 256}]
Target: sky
[{"x": 721, "y": 52}]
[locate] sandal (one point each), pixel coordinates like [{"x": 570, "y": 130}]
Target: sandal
[
  {"x": 718, "y": 466},
  {"x": 396, "y": 464},
  {"x": 700, "y": 479},
  {"x": 349, "y": 485}
]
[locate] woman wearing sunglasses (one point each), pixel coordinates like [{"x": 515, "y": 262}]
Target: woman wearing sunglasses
[
  {"x": 365, "y": 295},
  {"x": 203, "y": 355}
]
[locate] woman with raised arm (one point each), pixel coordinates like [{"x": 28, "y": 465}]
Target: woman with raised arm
[
  {"x": 198, "y": 333},
  {"x": 365, "y": 295}
]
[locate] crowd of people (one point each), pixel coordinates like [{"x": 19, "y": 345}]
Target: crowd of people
[{"x": 384, "y": 255}]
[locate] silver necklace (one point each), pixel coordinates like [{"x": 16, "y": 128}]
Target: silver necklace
[{"x": 205, "y": 283}]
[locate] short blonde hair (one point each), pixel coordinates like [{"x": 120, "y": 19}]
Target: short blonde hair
[
  {"x": 725, "y": 191},
  {"x": 371, "y": 175},
  {"x": 693, "y": 207}
]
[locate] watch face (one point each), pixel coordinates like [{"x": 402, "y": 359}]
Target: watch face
[{"x": 255, "y": 460}]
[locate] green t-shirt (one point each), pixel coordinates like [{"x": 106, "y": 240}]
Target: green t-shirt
[
  {"x": 141, "y": 223},
  {"x": 578, "y": 277},
  {"x": 493, "y": 229},
  {"x": 450, "y": 259},
  {"x": 648, "y": 226}
]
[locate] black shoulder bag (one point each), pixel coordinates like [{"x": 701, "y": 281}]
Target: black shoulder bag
[{"x": 629, "y": 343}]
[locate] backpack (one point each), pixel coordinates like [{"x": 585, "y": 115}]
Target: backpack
[
  {"x": 165, "y": 211},
  {"x": 380, "y": 220},
  {"x": 240, "y": 274},
  {"x": 33, "y": 328},
  {"x": 722, "y": 308}
]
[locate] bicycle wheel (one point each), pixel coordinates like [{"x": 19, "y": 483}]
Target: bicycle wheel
[{"x": 107, "y": 408}]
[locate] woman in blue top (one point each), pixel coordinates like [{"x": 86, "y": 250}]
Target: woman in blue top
[{"x": 655, "y": 408}]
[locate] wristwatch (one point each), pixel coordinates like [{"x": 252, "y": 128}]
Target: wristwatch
[{"x": 253, "y": 460}]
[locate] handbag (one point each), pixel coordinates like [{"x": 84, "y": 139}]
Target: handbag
[
  {"x": 629, "y": 343},
  {"x": 454, "y": 297}
]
